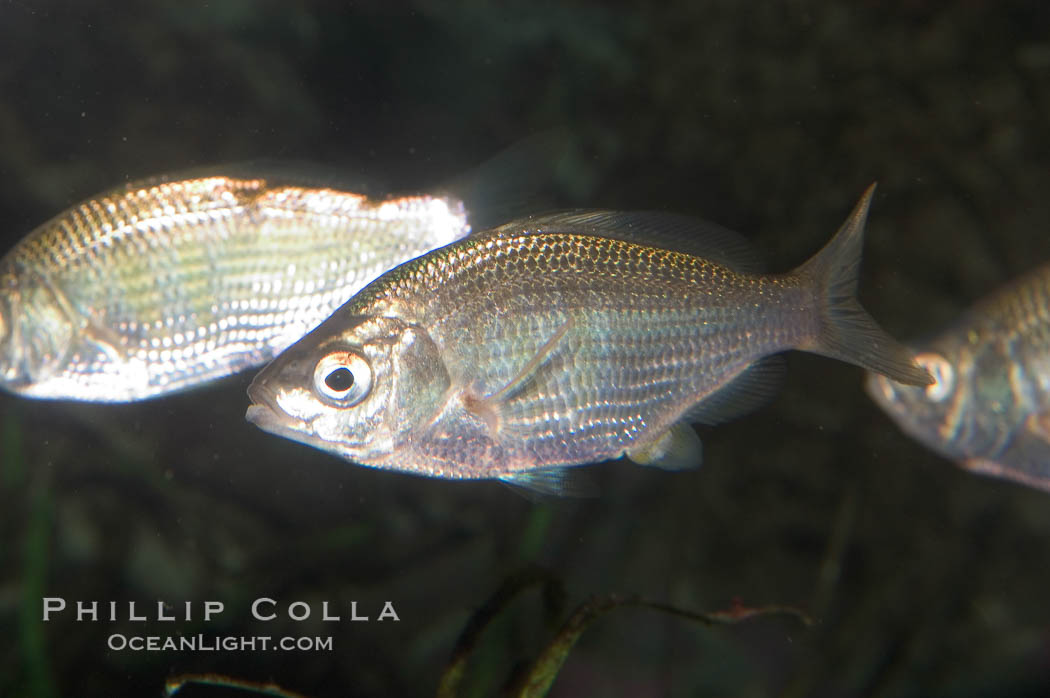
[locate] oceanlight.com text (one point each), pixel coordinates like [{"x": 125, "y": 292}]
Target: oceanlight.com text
[{"x": 119, "y": 642}]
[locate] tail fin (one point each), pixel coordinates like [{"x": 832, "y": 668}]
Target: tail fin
[{"x": 847, "y": 331}]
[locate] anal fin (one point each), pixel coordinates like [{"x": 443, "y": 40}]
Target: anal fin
[
  {"x": 544, "y": 483},
  {"x": 750, "y": 389}
]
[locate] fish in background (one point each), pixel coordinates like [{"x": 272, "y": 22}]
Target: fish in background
[
  {"x": 988, "y": 408},
  {"x": 165, "y": 284},
  {"x": 564, "y": 340}
]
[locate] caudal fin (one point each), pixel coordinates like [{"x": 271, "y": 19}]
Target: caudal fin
[{"x": 847, "y": 331}]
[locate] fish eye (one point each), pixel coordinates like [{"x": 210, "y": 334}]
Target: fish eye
[
  {"x": 343, "y": 377},
  {"x": 943, "y": 375}
]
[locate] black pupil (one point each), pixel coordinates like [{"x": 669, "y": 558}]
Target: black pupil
[{"x": 340, "y": 380}]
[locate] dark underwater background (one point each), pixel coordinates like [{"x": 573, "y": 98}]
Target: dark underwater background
[{"x": 768, "y": 117}]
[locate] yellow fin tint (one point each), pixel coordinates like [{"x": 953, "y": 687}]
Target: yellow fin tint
[
  {"x": 678, "y": 448},
  {"x": 1038, "y": 425}
]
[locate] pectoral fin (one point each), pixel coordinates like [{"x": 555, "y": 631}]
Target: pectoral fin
[
  {"x": 489, "y": 406},
  {"x": 106, "y": 340},
  {"x": 678, "y": 448}
]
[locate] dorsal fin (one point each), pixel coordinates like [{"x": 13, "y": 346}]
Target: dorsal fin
[
  {"x": 667, "y": 231},
  {"x": 523, "y": 178}
]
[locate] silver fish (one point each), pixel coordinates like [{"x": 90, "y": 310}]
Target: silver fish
[
  {"x": 988, "y": 408},
  {"x": 559, "y": 341},
  {"x": 164, "y": 284}
]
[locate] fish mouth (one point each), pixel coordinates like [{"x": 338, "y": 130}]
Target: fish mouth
[
  {"x": 265, "y": 413},
  {"x": 261, "y": 396},
  {"x": 263, "y": 417},
  {"x": 280, "y": 424}
]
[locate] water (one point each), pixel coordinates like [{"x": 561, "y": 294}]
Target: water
[{"x": 765, "y": 117}]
